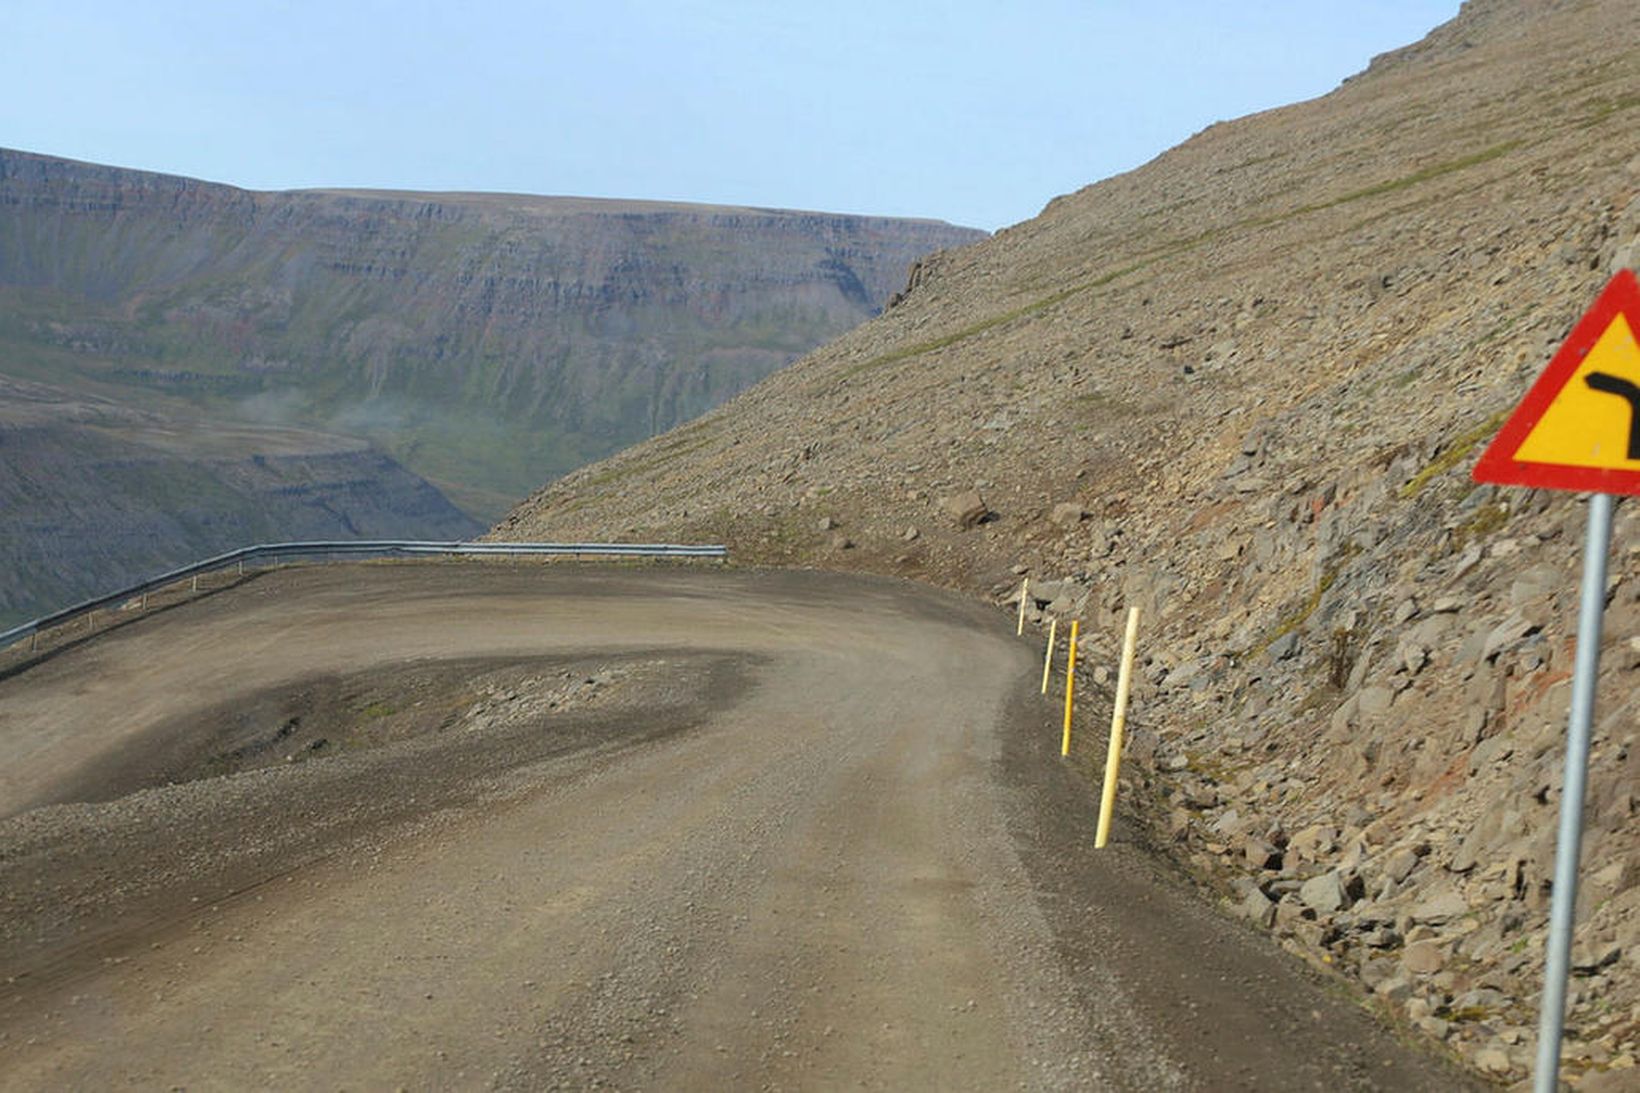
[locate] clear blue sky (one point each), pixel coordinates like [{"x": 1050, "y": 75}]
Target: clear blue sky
[{"x": 973, "y": 112}]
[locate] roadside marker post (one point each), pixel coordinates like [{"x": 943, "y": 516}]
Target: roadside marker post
[
  {"x": 1047, "y": 660},
  {"x": 1024, "y": 591},
  {"x": 1070, "y": 687},
  {"x": 1118, "y": 724},
  {"x": 1578, "y": 428}
]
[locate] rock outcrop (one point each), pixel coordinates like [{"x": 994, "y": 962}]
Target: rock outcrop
[{"x": 1257, "y": 370}]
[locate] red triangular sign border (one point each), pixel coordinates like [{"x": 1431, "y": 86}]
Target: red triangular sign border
[{"x": 1497, "y": 464}]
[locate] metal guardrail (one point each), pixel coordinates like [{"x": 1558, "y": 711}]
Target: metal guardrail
[{"x": 358, "y": 548}]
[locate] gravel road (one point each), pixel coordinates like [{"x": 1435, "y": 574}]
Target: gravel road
[{"x": 470, "y": 826}]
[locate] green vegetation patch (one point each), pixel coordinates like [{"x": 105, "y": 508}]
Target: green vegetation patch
[
  {"x": 1485, "y": 520},
  {"x": 1485, "y": 155},
  {"x": 963, "y": 334},
  {"x": 1298, "y": 618},
  {"x": 1454, "y": 454},
  {"x": 1393, "y": 185},
  {"x": 661, "y": 455},
  {"x": 1603, "y": 108}
]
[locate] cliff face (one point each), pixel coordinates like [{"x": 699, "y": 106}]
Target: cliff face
[
  {"x": 97, "y": 496},
  {"x": 486, "y": 341},
  {"x": 1241, "y": 388}
]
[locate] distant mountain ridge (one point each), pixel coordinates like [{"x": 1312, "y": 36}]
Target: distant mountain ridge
[
  {"x": 486, "y": 341},
  {"x": 208, "y": 364}
]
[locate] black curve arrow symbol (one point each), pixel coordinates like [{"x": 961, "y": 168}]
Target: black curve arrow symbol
[{"x": 1622, "y": 388}]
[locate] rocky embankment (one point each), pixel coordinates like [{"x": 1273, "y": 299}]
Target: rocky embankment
[{"x": 1242, "y": 388}]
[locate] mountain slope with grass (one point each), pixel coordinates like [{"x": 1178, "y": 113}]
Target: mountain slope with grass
[{"x": 1241, "y": 388}]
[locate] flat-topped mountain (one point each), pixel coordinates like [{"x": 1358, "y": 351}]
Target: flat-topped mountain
[
  {"x": 1241, "y": 388},
  {"x": 487, "y": 341},
  {"x": 481, "y": 342}
]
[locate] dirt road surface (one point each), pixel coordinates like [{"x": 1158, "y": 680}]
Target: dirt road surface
[{"x": 483, "y": 826}]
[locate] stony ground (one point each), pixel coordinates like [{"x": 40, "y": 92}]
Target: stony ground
[{"x": 1242, "y": 388}]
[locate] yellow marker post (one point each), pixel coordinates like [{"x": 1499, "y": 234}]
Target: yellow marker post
[
  {"x": 1118, "y": 721},
  {"x": 1070, "y": 686},
  {"x": 1047, "y": 661},
  {"x": 1024, "y": 590}
]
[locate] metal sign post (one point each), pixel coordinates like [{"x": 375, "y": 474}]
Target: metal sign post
[
  {"x": 1578, "y": 428},
  {"x": 1569, "y": 845}
]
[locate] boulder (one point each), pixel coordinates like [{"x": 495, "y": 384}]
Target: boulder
[
  {"x": 1325, "y": 895},
  {"x": 1068, "y": 514},
  {"x": 1260, "y": 854},
  {"x": 1046, "y": 592},
  {"x": 1589, "y": 958},
  {"x": 968, "y": 509},
  {"x": 1508, "y": 634},
  {"x": 1400, "y": 863},
  {"x": 1492, "y": 1060},
  {"x": 1423, "y": 958},
  {"x": 1314, "y": 841},
  {"x": 1257, "y": 906},
  {"x": 1440, "y": 905}
]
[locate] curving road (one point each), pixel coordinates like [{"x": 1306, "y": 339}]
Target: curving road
[{"x": 453, "y": 826}]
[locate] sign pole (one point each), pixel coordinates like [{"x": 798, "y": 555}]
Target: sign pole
[
  {"x": 1578, "y": 428},
  {"x": 1570, "y": 843}
]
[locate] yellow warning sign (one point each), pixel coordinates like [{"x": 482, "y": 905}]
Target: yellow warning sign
[
  {"x": 1578, "y": 428},
  {"x": 1591, "y": 422}
]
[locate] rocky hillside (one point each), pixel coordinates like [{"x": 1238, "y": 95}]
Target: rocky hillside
[
  {"x": 97, "y": 496},
  {"x": 486, "y": 341},
  {"x": 1242, "y": 388}
]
